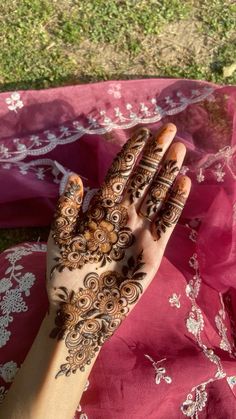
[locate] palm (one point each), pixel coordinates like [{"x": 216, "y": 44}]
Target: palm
[{"x": 100, "y": 262}]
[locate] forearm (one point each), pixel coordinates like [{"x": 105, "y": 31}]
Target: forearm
[{"x": 36, "y": 393}]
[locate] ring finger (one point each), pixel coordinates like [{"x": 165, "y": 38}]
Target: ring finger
[{"x": 163, "y": 181}]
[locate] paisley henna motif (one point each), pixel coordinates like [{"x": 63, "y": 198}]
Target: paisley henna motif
[
  {"x": 87, "y": 318},
  {"x": 171, "y": 211}
]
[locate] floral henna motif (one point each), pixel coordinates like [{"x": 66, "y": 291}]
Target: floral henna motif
[
  {"x": 98, "y": 240},
  {"x": 87, "y": 318},
  {"x": 145, "y": 170},
  {"x": 171, "y": 211},
  {"x": 160, "y": 187},
  {"x": 101, "y": 234}
]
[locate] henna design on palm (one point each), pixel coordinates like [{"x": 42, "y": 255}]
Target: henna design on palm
[
  {"x": 87, "y": 318},
  {"x": 101, "y": 234},
  {"x": 88, "y": 305}
]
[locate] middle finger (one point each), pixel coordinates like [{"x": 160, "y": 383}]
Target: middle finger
[{"x": 144, "y": 172}]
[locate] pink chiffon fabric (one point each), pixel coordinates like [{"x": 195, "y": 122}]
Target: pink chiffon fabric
[{"x": 174, "y": 356}]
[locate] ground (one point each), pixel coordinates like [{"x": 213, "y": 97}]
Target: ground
[{"x": 47, "y": 43}]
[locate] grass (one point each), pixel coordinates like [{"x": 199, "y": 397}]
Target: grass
[{"x": 47, "y": 43}]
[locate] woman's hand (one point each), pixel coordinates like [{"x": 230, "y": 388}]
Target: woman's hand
[{"x": 100, "y": 262}]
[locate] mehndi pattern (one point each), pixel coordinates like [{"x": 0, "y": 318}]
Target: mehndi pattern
[
  {"x": 101, "y": 235},
  {"x": 87, "y": 318}
]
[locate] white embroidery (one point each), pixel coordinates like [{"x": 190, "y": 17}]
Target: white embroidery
[
  {"x": 226, "y": 156},
  {"x": 174, "y": 300},
  {"x": 231, "y": 381},
  {"x": 191, "y": 407},
  {"x": 14, "y": 102},
  {"x": 200, "y": 176},
  {"x": 219, "y": 320},
  {"x": 160, "y": 371},
  {"x": 4, "y": 151},
  {"x": 219, "y": 173},
  {"x": 14, "y": 286},
  {"x": 114, "y": 90},
  {"x": 193, "y": 235},
  {"x": 8, "y": 371},
  {"x": 50, "y": 167},
  {"x": 184, "y": 170},
  {"x": 195, "y": 324},
  {"x": 101, "y": 125}
]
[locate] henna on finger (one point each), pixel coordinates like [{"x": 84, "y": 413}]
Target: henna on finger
[
  {"x": 171, "y": 210},
  {"x": 149, "y": 164},
  {"x": 102, "y": 234},
  {"x": 68, "y": 206},
  {"x": 159, "y": 188},
  {"x": 120, "y": 170},
  {"x": 145, "y": 170}
]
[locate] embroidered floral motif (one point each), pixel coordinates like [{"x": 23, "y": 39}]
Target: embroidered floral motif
[
  {"x": 200, "y": 176},
  {"x": 193, "y": 235},
  {"x": 219, "y": 320},
  {"x": 195, "y": 324},
  {"x": 145, "y": 114},
  {"x": 115, "y": 90},
  {"x": 219, "y": 173},
  {"x": 184, "y": 170},
  {"x": 4, "y": 152},
  {"x": 174, "y": 300},
  {"x": 14, "y": 286},
  {"x": 8, "y": 371},
  {"x": 191, "y": 407},
  {"x": 160, "y": 371},
  {"x": 14, "y": 102}
]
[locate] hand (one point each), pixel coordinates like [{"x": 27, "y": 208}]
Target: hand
[{"x": 100, "y": 262}]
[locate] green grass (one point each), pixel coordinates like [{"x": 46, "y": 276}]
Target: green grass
[
  {"x": 42, "y": 41},
  {"x": 47, "y": 43},
  {"x": 117, "y": 22}
]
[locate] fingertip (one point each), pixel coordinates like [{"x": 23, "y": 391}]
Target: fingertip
[
  {"x": 184, "y": 183},
  {"x": 70, "y": 182},
  {"x": 179, "y": 147},
  {"x": 170, "y": 127}
]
